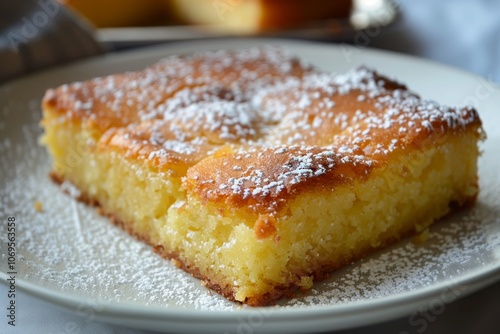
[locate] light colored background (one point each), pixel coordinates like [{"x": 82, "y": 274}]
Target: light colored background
[{"x": 462, "y": 33}]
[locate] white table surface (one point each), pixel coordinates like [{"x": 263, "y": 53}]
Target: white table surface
[{"x": 461, "y": 33}]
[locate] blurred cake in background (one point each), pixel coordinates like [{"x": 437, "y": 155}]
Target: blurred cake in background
[
  {"x": 252, "y": 16},
  {"x": 229, "y": 16}
]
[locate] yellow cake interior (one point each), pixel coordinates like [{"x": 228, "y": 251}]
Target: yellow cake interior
[{"x": 254, "y": 248}]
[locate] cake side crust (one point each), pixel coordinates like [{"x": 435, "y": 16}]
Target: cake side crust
[
  {"x": 223, "y": 286},
  {"x": 257, "y": 174},
  {"x": 225, "y": 290}
]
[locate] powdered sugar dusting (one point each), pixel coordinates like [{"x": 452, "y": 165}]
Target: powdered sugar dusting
[
  {"x": 317, "y": 104},
  {"x": 261, "y": 96},
  {"x": 452, "y": 250},
  {"x": 70, "y": 248},
  {"x": 292, "y": 165},
  {"x": 148, "y": 90}
]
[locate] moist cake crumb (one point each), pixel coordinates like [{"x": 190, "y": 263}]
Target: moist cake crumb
[
  {"x": 53, "y": 255},
  {"x": 259, "y": 177}
]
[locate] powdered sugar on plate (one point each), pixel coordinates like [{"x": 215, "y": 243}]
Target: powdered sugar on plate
[{"x": 69, "y": 247}]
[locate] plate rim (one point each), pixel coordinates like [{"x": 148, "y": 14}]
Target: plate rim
[
  {"x": 186, "y": 47},
  {"x": 473, "y": 281},
  {"x": 302, "y": 318}
]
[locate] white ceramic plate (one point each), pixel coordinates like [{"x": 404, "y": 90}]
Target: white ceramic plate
[{"x": 72, "y": 257}]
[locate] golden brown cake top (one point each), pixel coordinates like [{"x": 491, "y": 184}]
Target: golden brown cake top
[
  {"x": 123, "y": 99},
  {"x": 264, "y": 178},
  {"x": 321, "y": 131},
  {"x": 255, "y": 127}
]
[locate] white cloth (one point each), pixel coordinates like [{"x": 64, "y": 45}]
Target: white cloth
[{"x": 461, "y": 33}]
